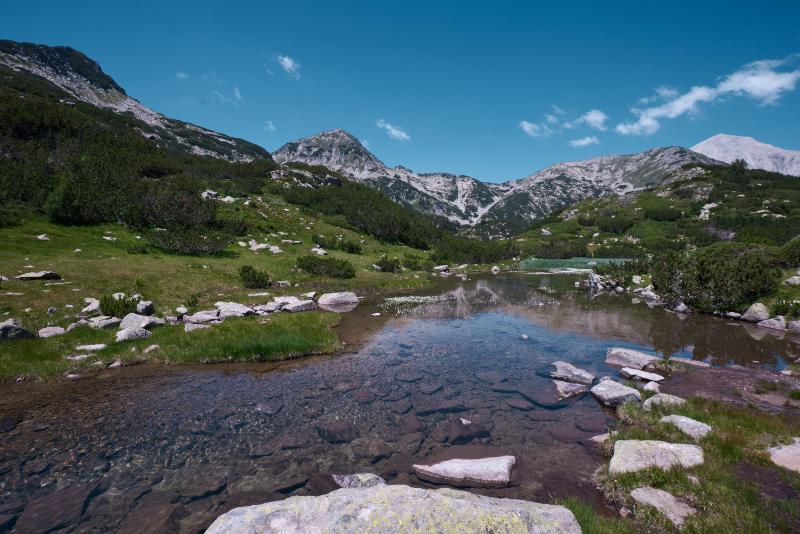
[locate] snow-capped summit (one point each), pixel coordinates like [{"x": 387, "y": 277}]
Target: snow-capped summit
[{"x": 758, "y": 155}]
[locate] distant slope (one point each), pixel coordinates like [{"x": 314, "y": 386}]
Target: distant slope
[
  {"x": 498, "y": 209},
  {"x": 82, "y": 78},
  {"x": 758, "y": 155}
]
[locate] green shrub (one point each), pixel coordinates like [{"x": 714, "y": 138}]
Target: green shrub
[
  {"x": 720, "y": 277},
  {"x": 137, "y": 249},
  {"x": 464, "y": 250},
  {"x": 789, "y": 254},
  {"x": 190, "y": 241},
  {"x": 389, "y": 265},
  {"x": 332, "y": 267},
  {"x": 617, "y": 224},
  {"x": 557, "y": 249},
  {"x": 663, "y": 213},
  {"x": 117, "y": 307},
  {"x": 252, "y": 278},
  {"x": 415, "y": 262},
  {"x": 332, "y": 243},
  {"x": 788, "y": 308}
]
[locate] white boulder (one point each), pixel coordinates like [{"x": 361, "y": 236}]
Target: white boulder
[
  {"x": 629, "y": 358},
  {"x": 130, "y": 334},
  {"x": 666, "y": 503},
  {"x": 635, "y": 455},
  {"x": 756, "y": 313},
  {"x": 481, "y": 472},
  {"x": 569, "y": 373},
  {"x": 628, "y": 372},
  {"x": 687, "y": 425},
  {"x": 662, "y": 399},
  {"x": 613, "y": 393}
]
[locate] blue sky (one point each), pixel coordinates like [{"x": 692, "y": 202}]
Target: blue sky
[{"x": 496, "y": 90}]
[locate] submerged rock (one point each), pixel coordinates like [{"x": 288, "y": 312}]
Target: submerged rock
[
  {"x": 666, "y": 503},
  {"x": 359, "y": 480},
  {"x": 567, "y": 372},
  {"x": 394, "y": 509},
  {"x": 569, "y": 389},
  {"x": 492, "y": 472},
  {"x": 629, "y": 358},
  {"x": 634, "y": 455},
  {"x": 613, "y": 393}
]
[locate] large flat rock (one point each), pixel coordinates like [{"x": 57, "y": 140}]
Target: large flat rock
[
  {"x": 566, "y": 372},
  {"x": 687, "y": 425},
  {"x": 662, "y": 399},
  {"x": 629, "y": 358},
  {"x": 397, "y": 509},
  {"x": 787, "y": 456},
  {"x": 489, "y": 472},
  {"x": 634, "y": 455},
  {"x": 613, "y": 393}
]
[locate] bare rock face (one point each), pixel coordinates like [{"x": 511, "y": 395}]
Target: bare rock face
[
  {"x": 566, "y": 372},
  {"x": 634, "y": 455},
  {"x": 391, "y": 509},
  {"x": 666, "y": 503},
  {"x": 629, "y": 358}
]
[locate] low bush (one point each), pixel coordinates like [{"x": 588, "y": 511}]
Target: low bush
[
  {"x": 346, "y": 245},
  {"x": 332, "y": 267},
  {"x": 616, "y": 224},
  {"x": 414, "y": 262},
  {"x": 464, "y": 250},
  {"x": 389, "y": 265},
  {"x": 117, "y": 307},
  {"x": 663, "y": 213},
  {"x": 252, "y": 278}
]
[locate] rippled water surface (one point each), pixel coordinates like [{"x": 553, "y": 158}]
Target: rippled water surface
[{"x": 173, "y": 447}]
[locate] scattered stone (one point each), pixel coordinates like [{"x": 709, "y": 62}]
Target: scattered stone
[
  {"x": 662, "y": 399},
  {"x": 568, "y": 389},
  {"x": 787, "y": 456},
  {"x": 76, "y": 357},
  {"x": 687, "y": 425},
  {"x": 393, "y": 509},
  {"x": 629, "y": 358},
  {"x": 652, "y": 386},
  {"x": 233, "y": 309},
  {"x": 681, "y": 308},
  {"x": 441, "y": 268},
  {"x": 145, "y": 307},
  {"x": 134, "y": 320},
  {"x": 202, "y": 317},
  {"x": 633, "y": 455},
  {"x": 130, "y": 334},
  {"x": 691, "y": 362},
  {"x": 359, "y": 480},
  {"x": 613, "y": 393},
  {"x": 628, "y": 372},
  {"x": 103, "y": 321},
  {"x": 12, "y": 329},
  {"x": 733, "y": 315},
  {"x": 625, "y": 512},
  {"x": 191, "y": 327},
  {"x": 115, "y": 365},
  {"x": 60, "y": 509},
  {"x": 39, "y": 275},
  {"x": 495, "y": 269},
  {"x": 43, "y": 237},
  {"x": 91, "y": 348},
  {"x": 793, "y": 281},
  {"x": 335, "y": 431},
  {"x": 492, "y": 472},
  {"x": 299, "y": 306},
  {"x": 666, "y": 503},
  {"x": 77, "y": 324},
  {"x": 51, "y": 310},
  {"x": 92, "y": 306},
  {"x": 601, "y": 438},
  {"x": 567, "y": 372},
  {"x": 51, "y": 331},
  {"x": 151, "y": 348},
  {"x": 181, "y": 311},
  {"x": 756, "y": 313}
]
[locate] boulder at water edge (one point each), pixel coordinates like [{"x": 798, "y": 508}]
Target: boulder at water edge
[
  {"x": 613, "y": 393},
  {"x": 756, "y": 313},
  {"x": 338, "y": 302},
  {"x": 662, "y": 399},
  {"x": 629, "y": 358},
  {"x": 489, "y": 472},
  {"x": 634, "y": 455},
  {"x": 567, "y": 372},
  {"x": 397, "y": 509}
]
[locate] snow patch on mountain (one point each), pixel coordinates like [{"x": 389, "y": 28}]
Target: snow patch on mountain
[{"x": 758, "y": 155}]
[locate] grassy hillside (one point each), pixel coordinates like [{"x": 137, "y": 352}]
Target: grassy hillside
[{"x": 750, "y": 206}]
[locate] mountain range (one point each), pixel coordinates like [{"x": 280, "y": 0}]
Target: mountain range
[
  {"x": 503, "y": 208},
  {"x": 500, "y": 209}
]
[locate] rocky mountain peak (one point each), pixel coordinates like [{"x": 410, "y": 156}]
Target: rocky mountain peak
[{"x": 758, "y": 155}]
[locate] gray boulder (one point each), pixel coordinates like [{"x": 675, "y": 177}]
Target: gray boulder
[
  {"x": 687, "y": 425},
  {"x": 631, "y": 455},
  {"x": 12, "y": 329},
  {"x": 787, "y": 456},
  {"x": 666, "y": 503},
  {"x": 629, "y": 358},
  {"x": 39, "y": 275},
  {"x": 794, "y": 327},
  {"x": 51, "y": 331},
  {"x": 338, "y": 302},
  {"x": 129, "y": 334},
  {"x": 134, "y": 320},
  {"x": 201, "y": 317},
  {"x": 569, "y": 373},
  {"x": 233, "y": 309},
  {"x": 145, "y": 307},
  {"x": 756, "y": 313},
  {"x": 104, "y": 321},
  {"x": 490, "y": 472},
  {"x": 628, "y": 372},
  {"x": 191, "y": 327},
  {"x": 775, "y": 323},
  {"x": 569, "y": 389},
  {"x": 300, "y": 306},
  {"x": 92, "y": 306},
  {"x": 613, "y": 393},
  {"x": 397, "y": 509},
  {"x": 662, "y": 399}
]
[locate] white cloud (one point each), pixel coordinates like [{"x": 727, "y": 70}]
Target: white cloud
[
  {"x": 535, "y": 129},
  {"x": 395, "y": 132},
  {"x": 237, "y": 94},
  {"x": 291, "y": 66},
  {"x": 269, "y": 127},
  {"x": 219, "y": 96},
  {"x": 181, "y": 75},
  {"x": 595, "y": 119},
  {"x": 584, "y": 141},
  {"x": 760, "y": 80}
]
